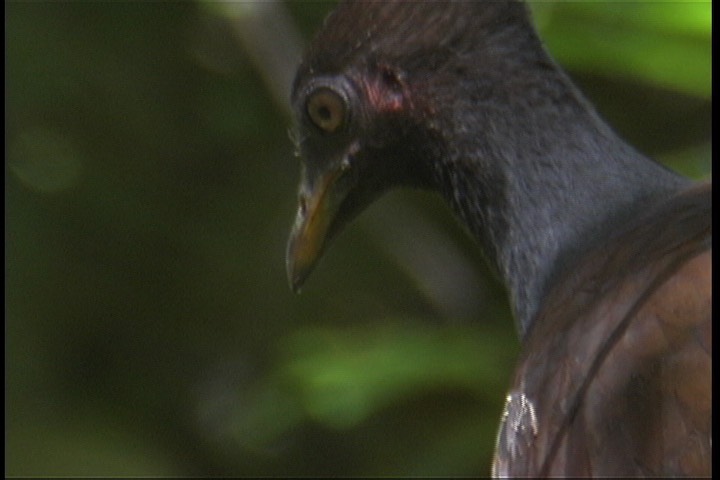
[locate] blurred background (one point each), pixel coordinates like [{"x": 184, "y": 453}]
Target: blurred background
[{"x": 150, "y": 186}]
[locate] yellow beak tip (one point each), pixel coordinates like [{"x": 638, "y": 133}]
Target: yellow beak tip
[
  {"x": 296, "y": 282},
  {"x": 299, "y": 263}
]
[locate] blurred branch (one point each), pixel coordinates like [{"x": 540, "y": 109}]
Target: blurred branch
[
  {"x": 267, "y": 32},
  {"x": 430, "y": 257}
]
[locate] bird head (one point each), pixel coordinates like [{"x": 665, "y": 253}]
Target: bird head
[{"x": 377, "y": 97}]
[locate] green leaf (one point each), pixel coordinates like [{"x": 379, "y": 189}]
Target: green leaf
[{"x": 664, "y": 44}]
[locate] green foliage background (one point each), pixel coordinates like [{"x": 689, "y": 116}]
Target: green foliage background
[{"x": 149, "y": 190}]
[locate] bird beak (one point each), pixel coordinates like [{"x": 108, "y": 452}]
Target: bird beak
[{"x": 320, "y": 199}]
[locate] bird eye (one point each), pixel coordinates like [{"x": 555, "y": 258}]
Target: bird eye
[{"x": 327, "y": 109}]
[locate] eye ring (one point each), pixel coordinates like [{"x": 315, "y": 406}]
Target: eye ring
[{"x": 327, "y": 109}]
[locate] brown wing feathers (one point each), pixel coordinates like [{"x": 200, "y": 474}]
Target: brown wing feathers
[{"x": 621, "y": 355}]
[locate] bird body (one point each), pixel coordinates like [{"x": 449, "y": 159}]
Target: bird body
[
  {"x": 618, "y": 362},
  {"x": 605, "y": 253}
]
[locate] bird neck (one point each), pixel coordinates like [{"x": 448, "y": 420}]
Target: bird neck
[{"x": 542, "y": 188}]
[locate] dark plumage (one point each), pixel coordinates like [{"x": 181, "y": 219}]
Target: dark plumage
[{"x": 605, "y": 253}]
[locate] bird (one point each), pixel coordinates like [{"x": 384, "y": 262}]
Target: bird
[{"x": 605, "y": 254}]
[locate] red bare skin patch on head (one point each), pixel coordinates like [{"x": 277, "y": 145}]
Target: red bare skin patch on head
[{"x": 386, "y": 90}]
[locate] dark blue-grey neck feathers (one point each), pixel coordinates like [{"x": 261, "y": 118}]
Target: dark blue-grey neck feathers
[
  {"x": 498, "y": 129},
  {"x": 540, "y": 179}
]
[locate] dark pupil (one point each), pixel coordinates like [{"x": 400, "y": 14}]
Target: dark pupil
[{"x": 324, "y": 113}]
